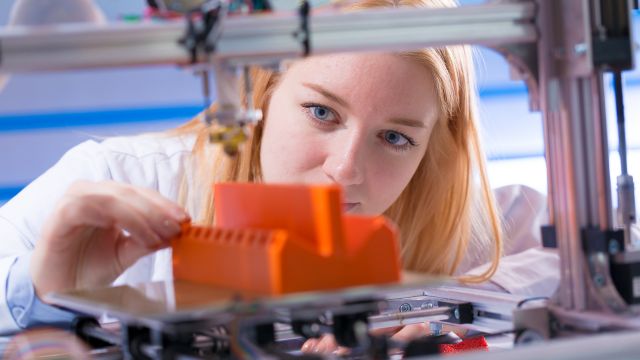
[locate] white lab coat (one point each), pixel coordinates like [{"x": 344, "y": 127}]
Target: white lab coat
[{"x": 158, "y": 162}]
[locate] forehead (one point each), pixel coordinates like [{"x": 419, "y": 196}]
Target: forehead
[{"x": 377, "y": 79}]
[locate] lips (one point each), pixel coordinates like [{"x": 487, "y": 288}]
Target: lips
[{"x": 349, "y": 206}]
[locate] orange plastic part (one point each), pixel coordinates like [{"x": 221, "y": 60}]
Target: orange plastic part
[{"x": 277, "y": 239}]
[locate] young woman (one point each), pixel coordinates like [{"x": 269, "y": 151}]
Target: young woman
[{"x": 398, "y": 132}]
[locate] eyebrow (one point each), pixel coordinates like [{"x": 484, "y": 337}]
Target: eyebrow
[
  {"x": 326, "y": 93},
  {"x": 408, "y": 122}
]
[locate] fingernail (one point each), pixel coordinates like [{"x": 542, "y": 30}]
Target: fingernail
[
  {"x": 157, "y": 242},
  {"x": 172, "y": 227},
  {"x": 305, "y": 347},
  {"x": 180, "y": 214}
]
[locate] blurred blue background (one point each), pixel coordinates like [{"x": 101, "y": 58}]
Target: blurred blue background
[{"x": 42, "y": 115}]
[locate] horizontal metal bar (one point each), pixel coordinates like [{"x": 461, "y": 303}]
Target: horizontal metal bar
[
  {"x": 80, "y": 46},
  {"x": 266, "y": 38},
  {"x": 410, "y": 317},
  {"x": 407, "y": 28}
]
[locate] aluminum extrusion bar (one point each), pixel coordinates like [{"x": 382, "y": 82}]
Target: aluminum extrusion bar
[
  {"x": 266, "y": 38},
  {"x": 410, "y": 317},
  {"x": 577, "y": 153}
]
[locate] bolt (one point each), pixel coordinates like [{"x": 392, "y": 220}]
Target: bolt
[
  {"x": 614, "y": 248},
  {"x": 580, "y": 49},
  {"x": 427, "y": 305},
  {"x": 456, "y": 314},
  {"x": 405, "y": 307},
  {"x": 614, "y": 305}
]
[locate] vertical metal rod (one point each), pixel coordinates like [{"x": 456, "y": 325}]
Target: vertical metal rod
[
  {"x": 626, "y": 187},
  {"x": 206, "y": 94},
  {"x": 622, "y": 138},
  {"x": 248, "y": 88},
  {"x": 576, "y": 138},
  {"x": 601, "y": 147}
]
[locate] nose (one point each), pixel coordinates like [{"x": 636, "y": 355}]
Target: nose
[{"x": 345, "y": 161}]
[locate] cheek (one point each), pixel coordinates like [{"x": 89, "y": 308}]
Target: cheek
[
  {"x": 389, "y": 179},
  {"x": 288, "y": 151}
]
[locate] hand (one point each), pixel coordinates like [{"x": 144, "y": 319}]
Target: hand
[
  {"x": 97, "y": 230},
  {"x": 327, "y": 343}
]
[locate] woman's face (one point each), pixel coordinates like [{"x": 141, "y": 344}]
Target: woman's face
[{"x": 361, "y": 121}]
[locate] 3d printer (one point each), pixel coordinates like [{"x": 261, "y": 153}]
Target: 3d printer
[{"x": 559, "y": 48}]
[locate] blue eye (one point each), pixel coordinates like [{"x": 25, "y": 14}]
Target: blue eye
[
  {"x": 321, "y": 112},
  {"x": 395, "y": 138}
]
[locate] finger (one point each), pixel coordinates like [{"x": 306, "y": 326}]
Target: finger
[
  {"x": 342, "y": 351},
  {"x": 173, "y": 209},
  {"x": 387, "y": 331},
  {"x": 75, "y": 214},
  {"x": 309, "y": 345},
  {"x": 128, "y": 252},
  {"x": 326, "y": 345},
  {"x": 108, "y": 212},
  {"x": 164, "y": 216},
  {"x": 138, "y": 226},
  {"x": 461, "y": 332},
  {"x": 160, "y": 213},
  {"x": 412, "y": 332}
]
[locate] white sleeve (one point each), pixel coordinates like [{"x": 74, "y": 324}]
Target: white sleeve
[
  {"x": 533, "y": 272},
  {"x": 526, "y": 268},
  {"x": 523, "y": 211},
  {"x": 22, "y": 217}
]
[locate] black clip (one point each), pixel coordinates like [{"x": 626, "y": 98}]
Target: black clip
[
  {"x": 200, "y": 23},
  {"x": 461, "y": 312},
  {"x": 303, "y": 34}
]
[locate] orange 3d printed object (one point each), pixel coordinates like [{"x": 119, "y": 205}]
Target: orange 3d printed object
[{"x": 276, "y": 239}]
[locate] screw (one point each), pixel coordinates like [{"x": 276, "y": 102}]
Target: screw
[
  {"x": 614, "y": 305},
  {"x": 614, "y": 248},
  {"x": 580, "y": 49},
  {"x": 456, "y": 314},
  {"x": 427, "y": 305},
  {"x": 405, "y": 307},
  {"x": 599, "y": 280}
]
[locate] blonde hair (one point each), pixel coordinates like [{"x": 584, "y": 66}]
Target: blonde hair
[{"x": 446, "y": 209}]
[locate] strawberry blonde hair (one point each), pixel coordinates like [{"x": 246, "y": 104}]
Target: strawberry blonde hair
[{"x": 446, "y": 210}]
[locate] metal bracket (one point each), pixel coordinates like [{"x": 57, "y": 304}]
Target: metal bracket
[
  {"x": 523, "y": 59},
  {"x": 596, "y": 245}
]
